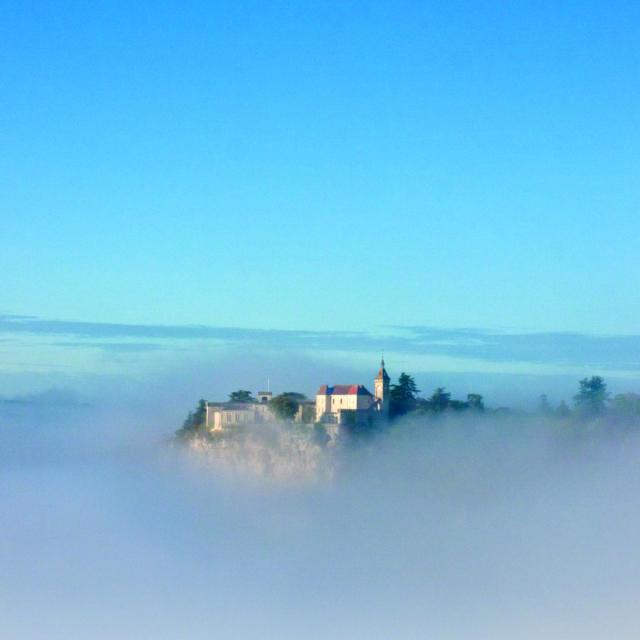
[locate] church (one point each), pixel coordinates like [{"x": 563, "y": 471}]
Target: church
[
  {"x": 340, "y": 404},
  {"x": 353, "y": 403}
]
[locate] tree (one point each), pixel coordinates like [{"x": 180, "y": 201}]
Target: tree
[
  {"x": 440, "y": 400},
  {"x": 295, "y": 395},
  {"x": 200, "y": 415},
  {"x": 241, "y": 395},
  {"x": 626, "y": 405},
  {"x": 308, "y": 413},
  {"x": 195, "y": 421},
  {"x": 284, "y": 406},
  {"x": 475, "y": 402},
  {"x": 185, "y": 429},
  {"x": 403, "y": 395},
  {"x": 592, "y": 398}
]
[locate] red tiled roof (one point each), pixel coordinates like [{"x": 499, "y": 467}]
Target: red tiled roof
[{"x": 344, "y": 390}]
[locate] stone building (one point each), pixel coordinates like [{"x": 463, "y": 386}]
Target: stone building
[
  {"x": 352, "y": 403},
  {"x": 224, "y": 415},
  {"x": 338, "y": 404}
]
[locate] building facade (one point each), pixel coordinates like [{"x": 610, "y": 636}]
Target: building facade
[
  {"x": 344, "y": 403},
  {"x": 222, "y": 416},
  {"x": 335, "y": 405},
  {"x": 225, "y": 415}
]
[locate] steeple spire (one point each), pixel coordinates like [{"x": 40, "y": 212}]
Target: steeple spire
[
  {"x": 382, "y": 374},
  {"x": 381, "y": 386}
]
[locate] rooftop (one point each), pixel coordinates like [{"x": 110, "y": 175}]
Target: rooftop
[
  {"x": 382, "y": 374},
  {"x": 344, "y": 390},
  {"x": 236, "y": 406}
]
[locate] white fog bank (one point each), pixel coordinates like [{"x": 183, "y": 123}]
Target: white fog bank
[{"x": 462, "y": 530}]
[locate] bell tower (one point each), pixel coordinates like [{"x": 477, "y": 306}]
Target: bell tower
[{"x": 381, "y": 389}]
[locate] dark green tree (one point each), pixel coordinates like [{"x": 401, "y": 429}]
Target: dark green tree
[
  {"x": 186, "y": 425},
  {"x": 592, "y": 398},
  {"x": 284, "y": 406},
  {"x": 195, "y": 421},
  {"x": 403, "y": 396},
  {"x": 308, "y": 413},
  {"x": 242, "y": 395},
  {"x": 626, "y": 405},
  {"x": 200, "y": 414},
  {"x": 475, "y": 402},
  {"x": 295, "y": 395},
  {"x": 440, "y": 400}
]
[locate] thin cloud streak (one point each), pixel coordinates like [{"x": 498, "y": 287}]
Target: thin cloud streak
[{"x": 620, "y": 352}]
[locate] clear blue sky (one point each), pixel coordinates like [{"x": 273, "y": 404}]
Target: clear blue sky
[{"x": 322, "y": 165}]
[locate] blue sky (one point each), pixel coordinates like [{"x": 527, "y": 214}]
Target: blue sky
[{"x": 298, "y": 166}]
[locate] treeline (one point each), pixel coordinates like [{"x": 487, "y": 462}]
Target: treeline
[
  {"x": 592, "y": 403},
  {"x": 404, "y": 400}
]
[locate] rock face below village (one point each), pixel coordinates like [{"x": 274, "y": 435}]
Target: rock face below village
[{"x": 273, "y": 452}]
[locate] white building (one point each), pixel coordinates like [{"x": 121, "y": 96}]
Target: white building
[
  {"x": 338, "y": 404},
  {"x": 344, "y": 403},
  {"x": 223, "y": 415}
]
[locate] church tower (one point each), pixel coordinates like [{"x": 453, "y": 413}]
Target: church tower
[{"x": 381, "y": 389}]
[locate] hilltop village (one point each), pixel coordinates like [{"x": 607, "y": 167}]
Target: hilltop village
[
  {"x": 334, "y": 405},
  {"x": 351, "y": 409}
]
